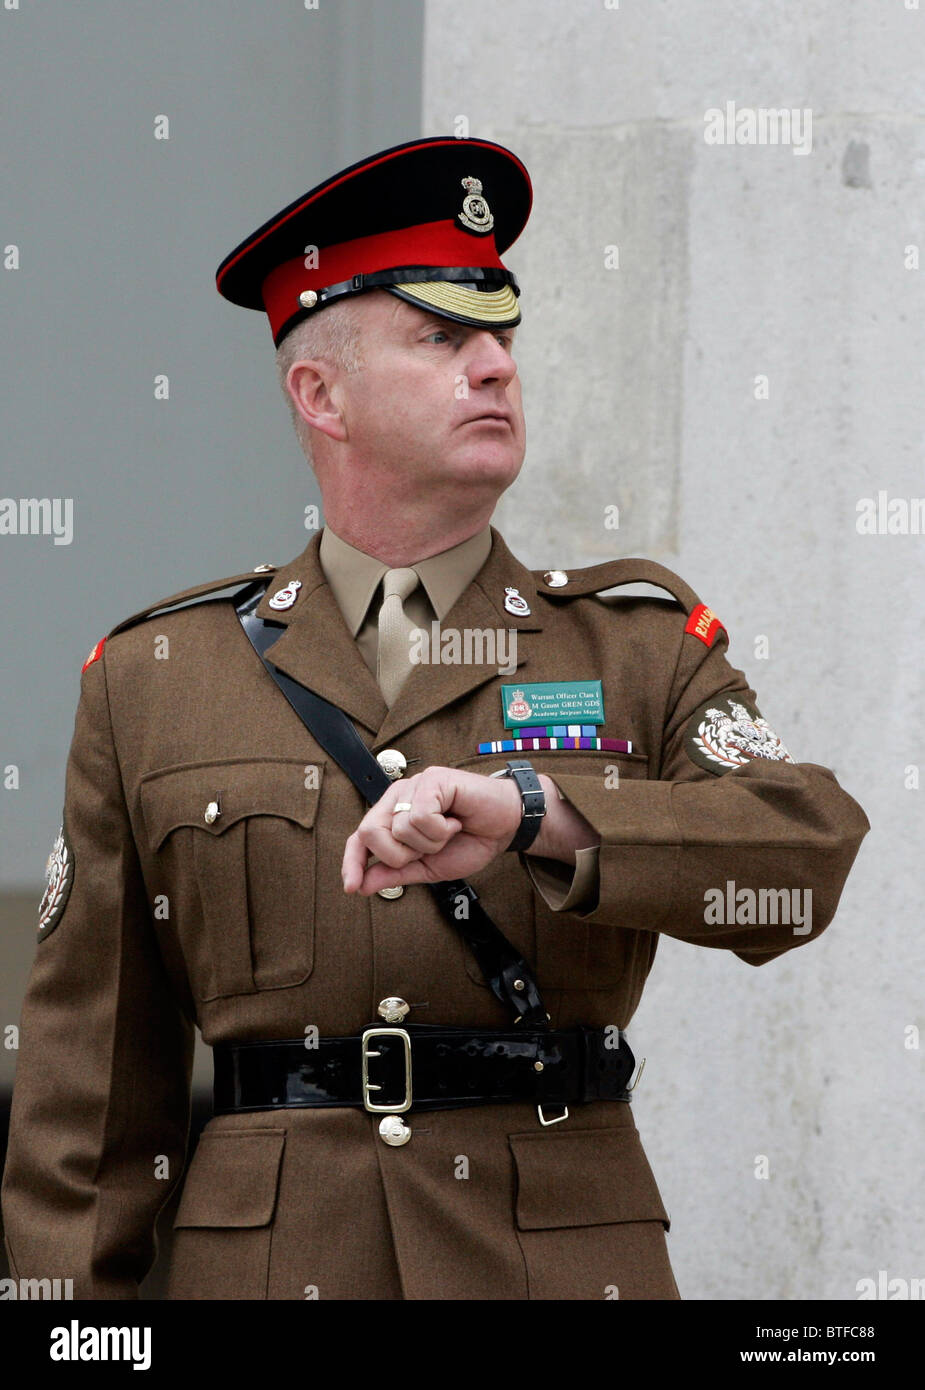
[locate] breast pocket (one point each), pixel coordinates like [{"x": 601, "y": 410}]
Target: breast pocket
[
  {"x": 570, "y": 954},
  {"x": 234, "y": 848}
]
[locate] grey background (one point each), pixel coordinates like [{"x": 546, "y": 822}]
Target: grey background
[{"x": 639, "y": 386}]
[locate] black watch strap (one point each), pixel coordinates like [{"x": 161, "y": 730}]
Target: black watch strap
[{"x": 533, "y": 800}]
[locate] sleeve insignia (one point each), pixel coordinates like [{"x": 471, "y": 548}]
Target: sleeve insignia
[
  {"x": 59, "y": 876},
  {"x": 726, "y": 732}
]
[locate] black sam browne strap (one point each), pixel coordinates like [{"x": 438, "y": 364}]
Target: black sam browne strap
[{"x": 507, "y": 974}]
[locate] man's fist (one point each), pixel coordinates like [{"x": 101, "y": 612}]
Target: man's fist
[{"x": 458, "y": 823}]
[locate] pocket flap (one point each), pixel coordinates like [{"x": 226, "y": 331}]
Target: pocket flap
[
  {"x": 233, "y": 1178},
  {"x": 591, "y": 1177},
  {"x": 177, "y": 796}
]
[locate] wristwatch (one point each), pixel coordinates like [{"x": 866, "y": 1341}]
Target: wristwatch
[{"x": 533, "y": 800}]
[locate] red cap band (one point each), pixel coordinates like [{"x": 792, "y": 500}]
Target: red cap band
[{"x": 432, "y": 243}]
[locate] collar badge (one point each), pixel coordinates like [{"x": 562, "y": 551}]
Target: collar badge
[
  {"x": 284, "y": 598},
  {"x": 515, "y": 603}
]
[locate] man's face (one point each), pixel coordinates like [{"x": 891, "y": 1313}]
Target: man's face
[{"x": 434, "y": 401}]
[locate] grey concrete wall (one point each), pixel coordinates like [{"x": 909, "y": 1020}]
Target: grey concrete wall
[{"x": 738, "y": 262}]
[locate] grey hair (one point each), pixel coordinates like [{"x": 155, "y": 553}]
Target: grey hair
[{"x": 334, "y": 334}]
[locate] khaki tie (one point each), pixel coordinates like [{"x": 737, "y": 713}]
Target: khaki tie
[{"x": 395, "y": 627}]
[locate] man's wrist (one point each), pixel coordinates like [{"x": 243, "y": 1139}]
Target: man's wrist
[
  {"x": 531, "y": 796},
  {"x": 564, "y": 829}
]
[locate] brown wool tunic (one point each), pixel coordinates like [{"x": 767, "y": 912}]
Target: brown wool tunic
[{"x": 241, "y": 927}]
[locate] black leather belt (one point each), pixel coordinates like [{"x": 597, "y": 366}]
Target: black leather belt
[{"x": 389, "y": 1070}]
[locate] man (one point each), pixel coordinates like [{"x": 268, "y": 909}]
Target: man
[{"x": 218, "y": 866}]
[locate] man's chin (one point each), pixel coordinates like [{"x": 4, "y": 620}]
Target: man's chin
[{"x": 491, "y": 466}]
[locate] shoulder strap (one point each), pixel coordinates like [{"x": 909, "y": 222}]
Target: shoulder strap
[
  {"x": 498, "y": 960},
  {"x": 613, "y": 573},
  {"x": 702, "y": 622},
  {"x": 186, "y": 595}
]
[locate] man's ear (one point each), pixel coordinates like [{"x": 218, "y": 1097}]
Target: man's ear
[{"x": 312, "y": 384}]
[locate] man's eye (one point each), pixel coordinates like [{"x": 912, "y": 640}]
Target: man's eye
[{"x": 438, "y": 333}]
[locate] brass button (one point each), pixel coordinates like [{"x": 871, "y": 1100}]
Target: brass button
[
  {"x": 393, "y": 1131},
  {"x": 308, "y": 299},
  {"x": 538, "y": 1066},
  {"x": 212, "y": 813},
  {"x": 555, "y": 578},
  {"x": 393, "y": 1009},
  {"x": 395, "y": 892},
  {"x": 392, "y": 762}
]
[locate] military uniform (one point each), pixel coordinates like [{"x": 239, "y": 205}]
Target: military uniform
[
  {"x": 197, "y": 883},
  {"x": 241, "y": 927}
]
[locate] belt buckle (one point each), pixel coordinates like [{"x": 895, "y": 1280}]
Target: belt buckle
[{"x": 368, "y": 1085}]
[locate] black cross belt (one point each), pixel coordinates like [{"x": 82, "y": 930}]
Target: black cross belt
[
  {"x": 389, "y": 1070},
  {"x": 507, "y": 974}
]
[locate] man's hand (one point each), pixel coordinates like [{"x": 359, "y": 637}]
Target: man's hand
[{"x": 458, "y": 822}]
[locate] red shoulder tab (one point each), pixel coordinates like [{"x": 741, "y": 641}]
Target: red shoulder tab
[
  {"x": 95, "y": 654},
  {"x": 704, "y": 623}
]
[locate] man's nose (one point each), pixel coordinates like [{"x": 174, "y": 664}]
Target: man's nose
[{"x": 490, "y": 361}]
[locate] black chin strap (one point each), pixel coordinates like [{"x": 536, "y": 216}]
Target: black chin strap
[{"x": 507, "y": 974}]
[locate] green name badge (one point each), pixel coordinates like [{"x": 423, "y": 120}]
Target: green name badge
[{"x": 552, "y": 702}]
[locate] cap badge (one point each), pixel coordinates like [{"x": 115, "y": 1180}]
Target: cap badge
[
  {"x": 475, "y": 214},
  {"x": 515, "y": 603},
  {"x": 286, "y": 597}
]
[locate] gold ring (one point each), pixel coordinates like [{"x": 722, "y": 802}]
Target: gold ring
[{"x": 401, "y": 806}]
